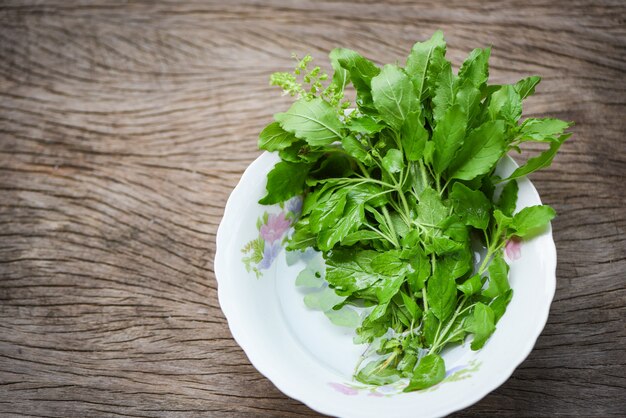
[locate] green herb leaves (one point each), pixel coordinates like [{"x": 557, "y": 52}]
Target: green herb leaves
[
  {"x": 481, "y": 324},
  {"x": 448, "y": 137},
  {"x": 442, "y": 294},
  {"x": 314, "y": 120},
  {"x": 275, "y": 138},
  {"x": 398, "y": 192},
  {"x": 413, "y": 137},
  {"x": 394, "y": 96},
  {"x": 350, "y": 270},
  {"x": 480, "y": 152},
  {"x": 285, "y": 181},
  {"x": 418, "y": 62},
  {"x": 472, "y": 206},
  {"x": 430, "y": 371},
  {"x": 360, "y": 70},
  {"x": 532, "y": 218}
]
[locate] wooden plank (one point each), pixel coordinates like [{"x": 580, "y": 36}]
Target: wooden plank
[{"x": 124, "y": 127}]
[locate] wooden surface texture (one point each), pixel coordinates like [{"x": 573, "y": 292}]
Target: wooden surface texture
[{"x": 124, "y": 126}]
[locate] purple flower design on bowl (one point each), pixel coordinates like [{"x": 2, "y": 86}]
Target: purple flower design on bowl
[
  {"x": 275, "y": 227},
  {"x": 270, "y": 252},
  {"x": 346, "y": 390},
  {"x": 260, "y": 253},
  {"x": 455, "y": 369},
  {"x": 294, "y": 205},
  {"x": 513, "y": 248}
]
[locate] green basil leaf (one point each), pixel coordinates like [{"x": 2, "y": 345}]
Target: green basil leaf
[
  {"x": 530, "y": 219},
  {"x": 543, "y": 129},
  {"x": 315, "y": 121},
  {"x": 387, "y": 288},
  {"x": 328, "y": 210},
  {"x": 481, "y": 151},
  {"x": 393, "y": 161},
  {"x": 341, "y": 76},
  {"x": 430, "y": 324},
  {"x": 526, "y": 86},
  {"x": 361, "y": 72},
  {"x": 275, "y": 138},
  {"x": 300, "y": 152},
  {"x": 468, "y": 98},
  {"x": 471, "y": 286},
  {"x": 349, "y": 270},
  {"x": 421, "y": 271},
  {"x": 431, "y": 209},
  {"x": 394, "y": 96},
  {"x": 498, "y": 304},
  {"x": 357, "y": 236},
  {"x": 374, "y": 373},
  {"x": 411, "y": 306},
  {"x": 378, "y": 312},
  {"x": 413, "y": 137},
  {"x": 430, "y": 370},
  {"x": 448, "y": 137},
  {"x": 365, "y": 125},
  {"x": 541, "y": 161},
  {"x": 354, "y": 148},
  {"x": 418, "y": 61},
  {"x": 284, "y": 181},
  {"x": 351, "y": 220},
  {"x": 443, "y": 245},
  {"x": 389, "y": 263},
  {"x": 441, "y": 293},
  {"x": 498, "y": 278},
  {"x": 444, "y": 90},
  {"x": 502, "y": 220},
  {"x": 476, "y": 67},
  {"x": 302, "y": 237},
  {"x": 506, "y": 104},
  {"x": 482, "y": 325},
  {"x": 456, "y": 264},
  {"x": 472, "y": 206},
  {"x": 508, "y": 198}
]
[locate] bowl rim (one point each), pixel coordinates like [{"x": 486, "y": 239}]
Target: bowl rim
[{"x": 319, "y": 404}]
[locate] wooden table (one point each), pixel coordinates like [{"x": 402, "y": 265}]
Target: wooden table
[{"x": 124, "y": 127}]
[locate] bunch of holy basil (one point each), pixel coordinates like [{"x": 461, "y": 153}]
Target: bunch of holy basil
[{"x": 399, "y": 192}]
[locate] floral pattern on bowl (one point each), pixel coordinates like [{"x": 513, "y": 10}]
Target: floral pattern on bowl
[
  {"x": 513, "y": 248},
  {"x": 274, "y": 229}
]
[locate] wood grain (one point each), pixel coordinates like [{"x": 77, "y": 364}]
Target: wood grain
[{"x": 124, "y": 127}]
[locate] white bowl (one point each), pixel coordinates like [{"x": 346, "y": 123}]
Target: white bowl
[{"x": 312, "y": 360}]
